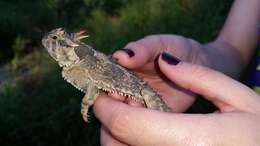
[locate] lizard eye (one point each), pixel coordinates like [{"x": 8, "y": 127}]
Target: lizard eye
[{"x": 54, "y": 37}]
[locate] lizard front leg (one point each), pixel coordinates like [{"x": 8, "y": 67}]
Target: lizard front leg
[
  {"x": 78, "y": 77},
  {"x": 88, "y": 100}
]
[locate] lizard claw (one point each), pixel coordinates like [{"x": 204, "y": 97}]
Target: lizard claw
[{"x": 84, "y": 112}]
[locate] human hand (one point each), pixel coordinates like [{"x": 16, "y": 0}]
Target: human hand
[
  {"x": 143, "y": 61},
  {"x": 236, "y": 122},
  {"x": 142, "y": 56}
]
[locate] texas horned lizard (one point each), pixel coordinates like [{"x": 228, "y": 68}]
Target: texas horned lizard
[{"x": 91, "y": 71}]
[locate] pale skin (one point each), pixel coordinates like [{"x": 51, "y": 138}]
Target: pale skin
[{"x": 237, "y": 120}]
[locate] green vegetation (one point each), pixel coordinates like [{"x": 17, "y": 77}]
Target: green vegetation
[{"x": 37, "y": 107}]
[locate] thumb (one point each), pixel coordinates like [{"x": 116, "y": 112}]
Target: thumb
[{"x": 223, "y": 91}]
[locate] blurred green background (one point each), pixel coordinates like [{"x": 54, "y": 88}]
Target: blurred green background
[{"x": 37, "y": 107}]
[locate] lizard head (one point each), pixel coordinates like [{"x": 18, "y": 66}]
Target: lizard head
[{"x": 61, "y": 45}]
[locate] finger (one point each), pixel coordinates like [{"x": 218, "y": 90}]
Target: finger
[
  {"x": 138, "y": 53},
  {"x": 108, "y": 140},
  {"x": 217, "y": 87},
  {"x": 143, "y": 53},
  {"x": 140, "y": 126},
  {"x": 129, "y": 124}
]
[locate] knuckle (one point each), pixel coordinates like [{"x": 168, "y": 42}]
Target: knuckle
[
  {"x": 193, "y": 42},
  {"x": 130, "y": 44},
  {"x": 199, "y": 75},
  {"x": 134, "y": 45},
  {"x": 199, "y": 72},
  {"x": 107, "y": 142},
  {"x": 200, "y": 79},
  {"x": 118, "y": 122},
  {"x": 179, "y": 40},
  {"x": 151, "y": 37},
  {"x": 205, "y": 60}
]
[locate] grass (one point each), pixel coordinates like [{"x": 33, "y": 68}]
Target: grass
[{"x": 43, "y": 109}]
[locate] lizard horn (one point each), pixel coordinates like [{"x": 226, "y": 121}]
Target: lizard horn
[{"x": 80, "y": 35}]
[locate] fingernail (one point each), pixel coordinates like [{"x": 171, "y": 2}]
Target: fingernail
[
  {"x": 113, "y": 59},
  {"x": 129, "y": 52},
  {"x": 170, "y": 59}
]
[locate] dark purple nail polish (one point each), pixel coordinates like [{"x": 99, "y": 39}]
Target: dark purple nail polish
[
  {"x": 169, "y": 58},
  {"x": 130, "y": 52},
  {"x": 111, "y": 58}
]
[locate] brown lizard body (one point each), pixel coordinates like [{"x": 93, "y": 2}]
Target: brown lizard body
[{"x": 91, "y": 71}]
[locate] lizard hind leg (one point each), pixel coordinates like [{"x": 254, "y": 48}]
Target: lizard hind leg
[
  {"x": 88, "y": 100},
  {"x": 153, "y": 100}
]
